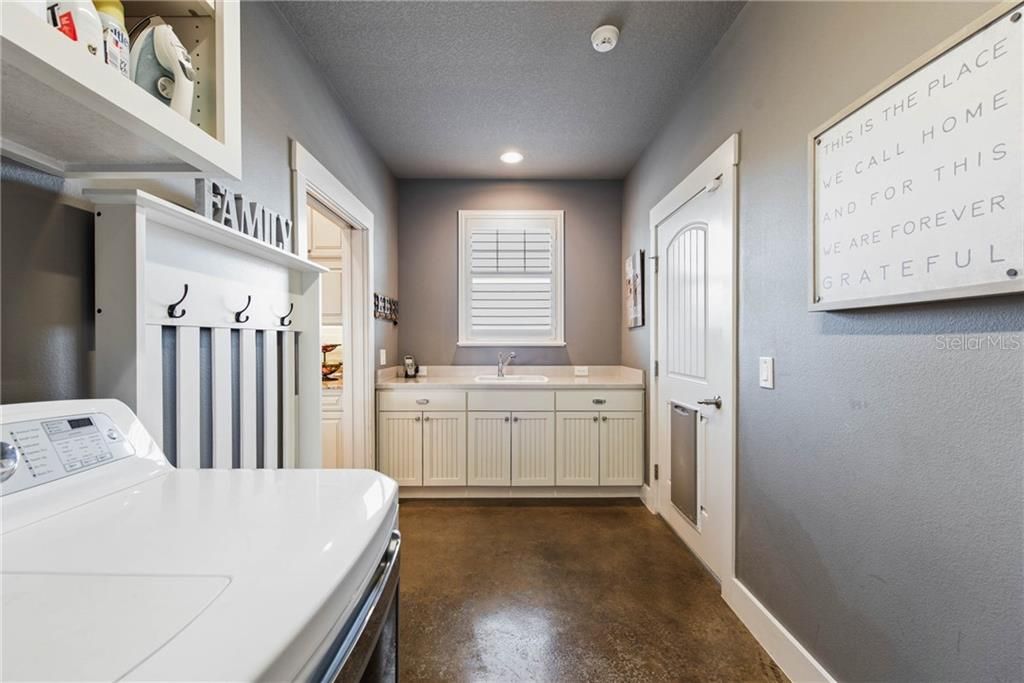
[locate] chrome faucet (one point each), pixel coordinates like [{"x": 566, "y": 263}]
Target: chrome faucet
[{"x": 504, "y": 360}]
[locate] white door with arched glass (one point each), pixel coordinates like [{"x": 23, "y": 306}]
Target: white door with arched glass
[{"x": 695, "y": 352}]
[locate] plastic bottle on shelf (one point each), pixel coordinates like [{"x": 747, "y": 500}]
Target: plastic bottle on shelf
[
  {"x": 115, "y": 35},
  {"x": 79, "y": 21}
]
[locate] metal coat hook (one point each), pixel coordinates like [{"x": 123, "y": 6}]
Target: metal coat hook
[
  {"x": 238, "y": 314},
  {"x": 172, "y": 310},
  {"x": 287, "y": 323}
]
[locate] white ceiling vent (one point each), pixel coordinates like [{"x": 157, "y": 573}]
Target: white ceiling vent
[{"x": 604, "y": 38}]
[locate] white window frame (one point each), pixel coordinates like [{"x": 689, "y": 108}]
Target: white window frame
[{"x": 557, "y": 278}]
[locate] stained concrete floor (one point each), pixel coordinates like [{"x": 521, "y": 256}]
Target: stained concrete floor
[{"x": 561, "y": 592}]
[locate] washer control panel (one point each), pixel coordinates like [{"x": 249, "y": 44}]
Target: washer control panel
[{"x": 37, "y": 452}]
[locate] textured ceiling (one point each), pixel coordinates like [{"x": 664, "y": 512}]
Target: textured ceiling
[{"x": 440, "y": 89}]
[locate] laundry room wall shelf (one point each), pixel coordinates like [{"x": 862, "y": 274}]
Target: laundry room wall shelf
[
  {"x": 69, "y": 114},
  {"x": 215, "y": 388}
]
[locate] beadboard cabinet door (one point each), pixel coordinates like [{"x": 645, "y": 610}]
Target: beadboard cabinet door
[
  {"x": 401, "y": 447},
  {"x": 444, "y": 449},
  {"x": 330, "y": 438},
  {"x": 622, "y": 444},
  {"x": 533, "y": 449},
  {"x": 577, "y": 454},
  {"x": 490, "y": 448}
]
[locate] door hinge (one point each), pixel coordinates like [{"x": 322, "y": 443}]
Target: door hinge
[
  {"x": 655, "y": 473},
  {"x": 656, "y": 367},
  {"x": 655, "y": 259}
]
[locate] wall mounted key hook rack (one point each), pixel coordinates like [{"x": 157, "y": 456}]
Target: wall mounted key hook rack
[
  {"x": 172, "y": 310},
  {"x": 284, "y": 318},
  {"x": 239, "y": 318}
]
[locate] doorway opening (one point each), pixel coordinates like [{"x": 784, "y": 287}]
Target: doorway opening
[
  {"x": 335, "y": 229},
  {"x": 693, "y": 354}
]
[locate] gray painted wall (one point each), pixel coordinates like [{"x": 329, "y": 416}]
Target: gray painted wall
[
  {"x": 428, "y": 267},
  {"x": 49, "y": 246},
  {"x": 46, "y": 290},
  {"x": 880, "y": 484}
]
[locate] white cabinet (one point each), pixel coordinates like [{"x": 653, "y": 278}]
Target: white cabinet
[
  {"x": 330, "y": 437},
  {"x": 66, "y": 114},
  {"x": 330, "y": 296},
  {"x": 444, "y": 449},
  {"x": 622, "y": 443},
  {"x": 325, "y": 234},
  {"x": 600, "y": 449},
  {"x": 490, "y": 448},
  {"x": 423, "y": 448},
  {"x": 330, "y": 431},
  {"x": 578, "y": 452},
  {"x": 400, "y": 447},
  {"x": 511, "y": 438},
  {"x": 533, "y": 449}
]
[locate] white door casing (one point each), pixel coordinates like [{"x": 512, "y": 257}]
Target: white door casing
[
  {"x": 694, "y": 346},
  {"x": 310, "y": 178}
]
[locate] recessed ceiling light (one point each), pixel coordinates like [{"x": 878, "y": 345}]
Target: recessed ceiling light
[{"x": 512, "y": 157}]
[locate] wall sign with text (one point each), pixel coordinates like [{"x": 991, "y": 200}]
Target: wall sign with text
[{"x": 918, "y": 188}]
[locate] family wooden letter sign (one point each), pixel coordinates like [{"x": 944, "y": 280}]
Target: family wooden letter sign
[
  {"x": 219, "y": 204},
  {"x": 918, "y": 188}
]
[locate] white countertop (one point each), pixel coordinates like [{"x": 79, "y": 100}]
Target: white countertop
[{"x": 559, "y": 377}]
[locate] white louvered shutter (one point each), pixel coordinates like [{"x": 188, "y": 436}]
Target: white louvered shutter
[{"x": 511, "y": 277}]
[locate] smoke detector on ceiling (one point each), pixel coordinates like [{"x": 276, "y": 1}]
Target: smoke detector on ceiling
[{"x": 604, "y": 38}]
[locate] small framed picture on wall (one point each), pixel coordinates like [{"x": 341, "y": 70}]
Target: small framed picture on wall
[{"x": 634, "y": 289}]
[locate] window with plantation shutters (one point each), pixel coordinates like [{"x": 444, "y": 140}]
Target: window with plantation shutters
[{"x": 510, "y": 278}]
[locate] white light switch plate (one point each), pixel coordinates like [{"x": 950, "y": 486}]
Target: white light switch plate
[
  {"x": 766, "y": 372},
  {"x": 581, "y": 371},
  {"x": 383, "y": 357}
]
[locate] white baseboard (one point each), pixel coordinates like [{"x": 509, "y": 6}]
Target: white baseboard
[
  {"x": 794, "y": 660},
  {"x": 647, "y": 496}
]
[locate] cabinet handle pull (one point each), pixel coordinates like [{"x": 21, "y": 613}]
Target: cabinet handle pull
[
  {"x": 426, "y": 419},
  {"x": 422, "y": 401},
  {"x": 506, "y": 419},
  {"x": 595, "y": 418},
  {"x": 599, "y": 401},
  {"x": 604, "y": 418},
  {"x": 515, "y": 419},
  {"x": 417, "y": 418}
]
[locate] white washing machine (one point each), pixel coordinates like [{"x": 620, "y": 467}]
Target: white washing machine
[{"x": 118, "y": 566}]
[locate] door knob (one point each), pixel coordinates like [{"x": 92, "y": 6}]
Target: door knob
[{"x": 716, "y": 402}]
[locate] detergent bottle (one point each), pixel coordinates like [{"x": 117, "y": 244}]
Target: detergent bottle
[
  {"x": 79, "y": 21},
  {"x": 115, "y": 36}
]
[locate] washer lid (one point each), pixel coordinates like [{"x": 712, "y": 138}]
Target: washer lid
[{"x": 98, "y": 626}]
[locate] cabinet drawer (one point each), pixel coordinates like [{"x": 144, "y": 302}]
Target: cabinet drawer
[
  {"x": 592, "y": 399},
  {"x": 330, "y": 401},
  {"x": 511, "y": 400},
  {"x": 421, "y": 400}
]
